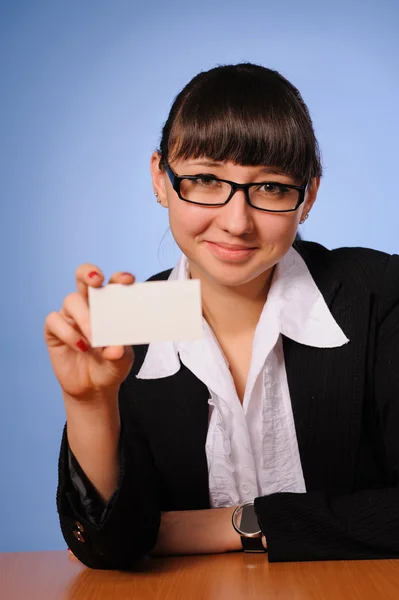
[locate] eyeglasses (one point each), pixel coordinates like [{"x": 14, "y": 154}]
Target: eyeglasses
[{"x": 206, "y": 190}]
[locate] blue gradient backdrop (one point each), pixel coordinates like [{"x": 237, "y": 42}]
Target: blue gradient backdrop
[{"x": 85, "y": 88}]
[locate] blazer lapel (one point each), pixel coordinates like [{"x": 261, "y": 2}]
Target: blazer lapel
[{"x": 326, "y": 396}]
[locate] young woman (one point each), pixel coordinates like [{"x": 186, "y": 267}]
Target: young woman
[{"x": 284, "y": 417}]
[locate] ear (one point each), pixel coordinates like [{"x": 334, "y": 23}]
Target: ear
[
  {"x": 159, "y": 179},
  {"x": 311, "y": 195}
]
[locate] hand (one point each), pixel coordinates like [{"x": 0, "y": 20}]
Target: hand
[{"x": 84, "y": 372}]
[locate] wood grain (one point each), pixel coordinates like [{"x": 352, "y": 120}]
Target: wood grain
[{"x": 238, "y": 576}]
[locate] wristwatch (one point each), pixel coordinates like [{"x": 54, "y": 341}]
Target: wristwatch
[{"x": 245, "y": 522}]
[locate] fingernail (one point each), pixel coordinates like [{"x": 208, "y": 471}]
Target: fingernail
[
  {"x": 130, "y": 275},
  {"x": 82, "y": 346},
  {"x": 94, "y": 274}
]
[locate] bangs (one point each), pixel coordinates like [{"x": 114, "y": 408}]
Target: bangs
[{"x": 246, "y": 119}]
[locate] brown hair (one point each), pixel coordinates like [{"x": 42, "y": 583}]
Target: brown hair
[{"x": 244, "y": 113}]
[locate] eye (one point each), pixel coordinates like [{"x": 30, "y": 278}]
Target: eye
[
  {"x": 205, "y": 181},
  {"x": 273, "y": 188}
]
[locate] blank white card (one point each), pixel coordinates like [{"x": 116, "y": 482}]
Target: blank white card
[{"x": 154, "y": 311}]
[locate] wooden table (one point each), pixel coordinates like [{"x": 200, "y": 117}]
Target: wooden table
[{"x": 238, "y": 576}]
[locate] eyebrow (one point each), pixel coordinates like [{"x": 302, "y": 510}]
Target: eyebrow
[{"x": 265, "y": 170}]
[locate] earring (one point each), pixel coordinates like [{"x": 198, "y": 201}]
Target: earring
[
  {"x": 156, "y": 196},
  {"x": 304, "y": 218}
]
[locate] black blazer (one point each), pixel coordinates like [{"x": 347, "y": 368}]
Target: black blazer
[{"x": 346, "y": 409}]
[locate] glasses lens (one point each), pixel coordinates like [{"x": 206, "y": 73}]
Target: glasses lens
[
  {"x": 205, "y": 190},
  {"x": 273, "y": 196}
]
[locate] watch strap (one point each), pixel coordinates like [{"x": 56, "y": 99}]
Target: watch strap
[{"x": 252, "y": 544}]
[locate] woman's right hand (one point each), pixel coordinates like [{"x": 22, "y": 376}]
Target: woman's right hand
[{"x": 85, "y": 373}]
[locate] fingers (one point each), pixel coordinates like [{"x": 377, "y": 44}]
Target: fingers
[
  {"x": 71, "y": 326},
  {"x": 60, "y": 329},
  {"x": 116, "y": 352},
  {"x": 90, "y": 275},
  {"x": 58, "y": 332},
  {"x": 122, "y": 277},
  {"x": 75, "y": 308},
  {"x": 72, "y": 557}
]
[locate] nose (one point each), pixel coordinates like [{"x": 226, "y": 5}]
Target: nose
[{"x": 235, "y": 217}]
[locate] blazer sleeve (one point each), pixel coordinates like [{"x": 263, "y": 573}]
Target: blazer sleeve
[
  {"x": 89, "y": 499},
  {"x": 116, "y": 534},
  {"x": 360, "y": 525}
]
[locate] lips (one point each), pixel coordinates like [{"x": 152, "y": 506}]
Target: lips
[
  {"x": 232, "y": 246},
  {"x": 230, "y": 252}
]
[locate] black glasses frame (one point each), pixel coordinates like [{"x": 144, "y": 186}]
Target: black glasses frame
[{"x": 176, "y": 181}]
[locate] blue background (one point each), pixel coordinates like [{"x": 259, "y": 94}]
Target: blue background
[{"x": 85, "y": 89}]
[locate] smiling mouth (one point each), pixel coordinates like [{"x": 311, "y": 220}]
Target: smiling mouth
[
  {"x": 231, "y": 252},
  {"x": 232, "y": 246}
]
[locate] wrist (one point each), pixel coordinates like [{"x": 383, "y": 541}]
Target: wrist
[
  {"x": 245, "y": 523},
  {"x": 93, "y": 427},
  {"x": 91, "y": 403},
  {"x": 231, "y": 536},
  {"x": 102, "y": 410}
]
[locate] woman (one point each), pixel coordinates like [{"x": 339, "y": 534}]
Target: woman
[{"x": 290, "y": 401}]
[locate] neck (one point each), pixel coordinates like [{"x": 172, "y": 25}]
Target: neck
[{"x": 233, "y": 310}]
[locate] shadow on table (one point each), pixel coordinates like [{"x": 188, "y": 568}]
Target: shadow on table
[{"x": 145, "y": 580}]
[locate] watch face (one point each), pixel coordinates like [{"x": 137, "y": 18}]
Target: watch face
[{"x": 249, "y": 520}]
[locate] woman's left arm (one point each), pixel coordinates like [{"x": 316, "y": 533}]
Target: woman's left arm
[
  {"x": 207, "y": 531},
  {"x": 319, "y": 525},
  {"x": 361, "y": 525}
]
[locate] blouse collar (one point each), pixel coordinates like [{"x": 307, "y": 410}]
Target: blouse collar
[{"x": 295, "y": 308}]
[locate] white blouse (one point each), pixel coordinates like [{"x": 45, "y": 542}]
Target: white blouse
[{"x": 252, "y": 448}]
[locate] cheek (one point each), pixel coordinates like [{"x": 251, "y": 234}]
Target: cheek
[
  {"x": 277, "y": 229},
  {"x": 187, "y": 221}
]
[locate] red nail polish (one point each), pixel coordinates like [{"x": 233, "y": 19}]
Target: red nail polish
[
  {"x": 94, "y": 274},
  {"x": 82, "y": 346}
]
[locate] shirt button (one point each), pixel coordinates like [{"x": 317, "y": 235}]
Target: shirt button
[
  {"x": 79, "y": 536},
  {"x": 245, "y": 488}
]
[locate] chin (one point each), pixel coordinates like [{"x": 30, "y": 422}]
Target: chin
[
  {"x": 232, "y": 282},
  {"x": 230, "y": 275}
]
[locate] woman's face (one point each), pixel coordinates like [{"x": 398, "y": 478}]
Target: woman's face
[{"x": 233, "y": 244}]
